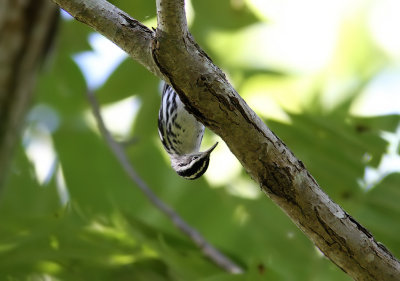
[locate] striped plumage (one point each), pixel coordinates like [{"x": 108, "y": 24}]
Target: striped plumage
[{"x": 181, "y": 135}]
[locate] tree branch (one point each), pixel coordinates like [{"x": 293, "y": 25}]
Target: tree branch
[
  {"x": 171, "y": 17},
  {"x": 211, "y": 99},
  {"x": 208, "y": 250},
  {"x": 129, "y": 34}
]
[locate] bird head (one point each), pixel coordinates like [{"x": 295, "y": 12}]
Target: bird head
[{"x": 192, "y": 166}]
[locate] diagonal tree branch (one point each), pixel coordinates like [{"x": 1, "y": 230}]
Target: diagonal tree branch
[
  {"x": 208, "y": 95},
  {"x": 129, "y": 34},
  {"x": 208, "y": 250}
]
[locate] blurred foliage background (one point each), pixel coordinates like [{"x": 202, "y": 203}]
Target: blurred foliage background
[{"x": 325, "y": 77}]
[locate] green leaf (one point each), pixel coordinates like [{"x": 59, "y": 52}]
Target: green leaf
[
  {"x": 139, "y": 9},
  {"x": 333, "y": 150},
  {"x": 130, "y": 78},
  {"x": 73, "y": 37},
  {"x": 23, "y": 195}
]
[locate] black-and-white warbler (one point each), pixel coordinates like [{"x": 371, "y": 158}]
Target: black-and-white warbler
[{"x": 181, "y": 135}]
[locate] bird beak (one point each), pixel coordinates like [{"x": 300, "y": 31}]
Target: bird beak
[{"x": 208, "y": 151}]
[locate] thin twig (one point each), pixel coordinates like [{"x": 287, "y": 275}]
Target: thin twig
[{"x": 208, "y": 250}]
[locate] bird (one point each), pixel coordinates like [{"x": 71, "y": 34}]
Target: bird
[{"x": 181, "y": 135}]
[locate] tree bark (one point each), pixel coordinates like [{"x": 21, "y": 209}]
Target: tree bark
[
  {"x": 26, "y": 32},
  {"x": 172, "y": 54}
]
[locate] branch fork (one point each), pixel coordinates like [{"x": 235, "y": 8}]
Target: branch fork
[{"x": 172, "y": 54}]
